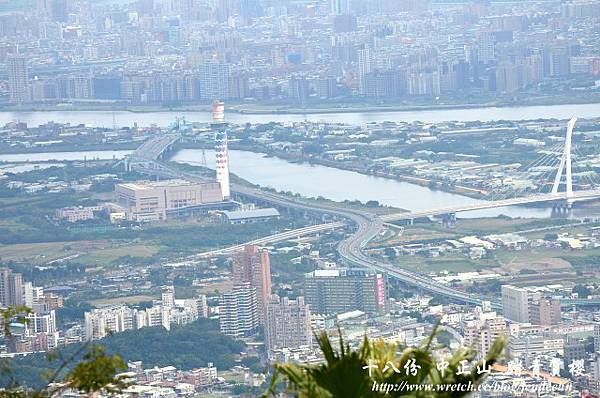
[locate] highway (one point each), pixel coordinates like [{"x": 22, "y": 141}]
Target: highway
[
  {"x": 367, "y": 226},
  {"x": 351, "y": 250},
  {"x": 280, "y": 237},
  {"x": 152, "y": 149}
]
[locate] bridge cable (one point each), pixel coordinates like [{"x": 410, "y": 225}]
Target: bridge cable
[{"x": 538, "y": 162}]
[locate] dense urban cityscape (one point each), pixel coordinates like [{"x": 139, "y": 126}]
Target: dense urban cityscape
[
  {"x": 267, "y": 55},
  {"x": 199, "y": 196}
]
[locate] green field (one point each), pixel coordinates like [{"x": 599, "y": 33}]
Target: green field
[
  {"x": 108, "y": 255},
  {"x": 453, "y": 263},
  {"x": 215, "y": 287},
  {"x": 42, "y": 253},
  {"x": 87, "y": 252}
]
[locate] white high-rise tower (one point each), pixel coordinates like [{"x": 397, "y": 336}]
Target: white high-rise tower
[{"x": 221, "y": 152}]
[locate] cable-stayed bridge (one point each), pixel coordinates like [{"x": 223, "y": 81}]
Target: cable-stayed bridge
[
  {"x": 566, "y": 198},
  {"x": 352, "y": 250},
  {"x": 539, "y": 198}
]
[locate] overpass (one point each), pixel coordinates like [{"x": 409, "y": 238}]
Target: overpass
[
  {"x": 280, "y": 237},
  {"x": 151, "y": 151},
  {"x": 367, "y": 225}
]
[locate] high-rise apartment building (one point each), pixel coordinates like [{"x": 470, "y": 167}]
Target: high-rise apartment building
[
  {"x": 364, "y": 67},
  {"x": 515, "y": 303},
  {"x": 338, "y": 7},
  {"x": 168, "y": 297},
  {"x": 525, "y": 306},
  {"x": 239, "y": 312},
  {"x": 214, "y": 78},
  {"x": 58, "y": 10},
  {"x": 597, "y": 338},
  {"x": 11, "y": 288},
  {"x": 41, "y": 323},
  {"x": 18, "y": 79},
  {"x": 102, "y": 321},
  {"x": 559, "y": 60},
  {"x": 545, "y": 312},
  {"x": 287, "y": 323},
  {"x": 253, "y": 267},
  {"x": 480, "y": 334},
  {"x": 202, "y": 306},
  {"x": 341, "y": 290},
  {"x": 486, "y": 47}
]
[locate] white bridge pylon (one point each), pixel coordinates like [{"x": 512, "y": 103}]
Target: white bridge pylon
[{"x": 565, "y": 163}]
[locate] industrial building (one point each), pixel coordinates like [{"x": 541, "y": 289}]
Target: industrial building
[
  {"x": 250, "y": 216},
  {"x": 151, "y": 201}
]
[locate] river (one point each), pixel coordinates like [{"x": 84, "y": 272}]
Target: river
[
  {"x": 164, "y": 118},
  {"x": 335, "y": 184},
  {"x": 313, "y": 181}
]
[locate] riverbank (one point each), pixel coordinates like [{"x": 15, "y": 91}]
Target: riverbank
[
  {"x": 316, "y": 108},
  {"x": 460, "y": 190},
  {"x": 433, "y": 185},
  {"x": 126, "y": 146},
  {"x": 164, "y": 118},
  {"x": 343, "y": 107}
]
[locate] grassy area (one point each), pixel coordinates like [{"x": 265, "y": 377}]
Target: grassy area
[
  {"x": 87, "y": 252},
  {"x": 215, "y": 288},
  {"x": 15, "y": 225},
  {"x": 537, "y": 259},
  {"x": 453, "y": 263},
  {"x": 128, "y": 300},
  {"x": 232, "y": 377},
  {"x": 108, "y": 255},
  {"x": 572, "y": 230},
  {"x": 434, "y": 232},
  {"x": 42, "y": 253}
]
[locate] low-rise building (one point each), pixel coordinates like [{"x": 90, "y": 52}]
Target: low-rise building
[{"x": 79, "y": 213}]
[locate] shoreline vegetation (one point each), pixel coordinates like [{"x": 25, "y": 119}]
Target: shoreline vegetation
[
  {"x": 323, "y": 108},
  {"x": 460, "y": 190}
]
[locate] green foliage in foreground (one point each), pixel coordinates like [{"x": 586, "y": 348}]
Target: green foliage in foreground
[
  {"x": 343, "y": 373},
  {"x": 184, "y": 347},
  {"x": 95, "y": 372}
]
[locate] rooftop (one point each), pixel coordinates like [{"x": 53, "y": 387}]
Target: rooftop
[
  {"x": 155, "y": 184},
  {"x": 248, "y": 214}
]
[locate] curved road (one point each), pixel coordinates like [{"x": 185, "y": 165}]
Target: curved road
[
  {"x": 367, "y": 225},
  {"x": 351, "y": 249}
]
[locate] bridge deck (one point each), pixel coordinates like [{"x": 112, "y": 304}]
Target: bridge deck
[{"x": 549, "y": 197}]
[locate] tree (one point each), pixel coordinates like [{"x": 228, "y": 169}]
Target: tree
[
  {"x": 94, "y": 372},
  {"x": 372, "y": 204},
  {"x": 390, "y": 253},
  {"x": 343, "y": 373},
  {"x": 582, "y": 291}
]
